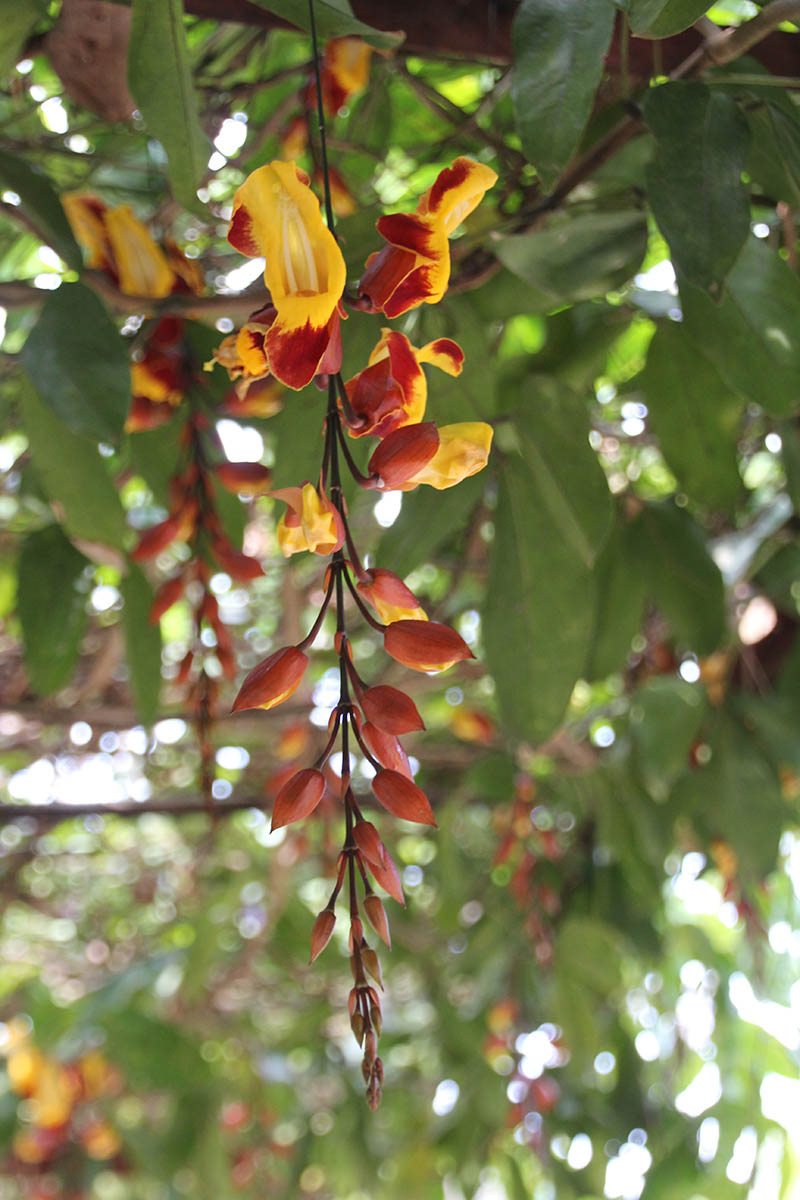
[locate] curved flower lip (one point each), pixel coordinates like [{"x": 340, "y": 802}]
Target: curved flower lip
[
  {"x": 463, "y": 450},
  {"x": 273, "y": 680},
  {"x": 392, "y": 391},
  {"x": 425, "y": 645},
  {"x": 402, "y": 455},
  {"x": 275, "y": 214},
  {"x": 311, "y": 521},
  {"x": 415, "y": 267}
]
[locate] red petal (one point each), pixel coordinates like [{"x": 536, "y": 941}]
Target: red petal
[
  {"x": 391, "y": 710},
  {"x": 298, "y": 798},
  {"x": 246, "y": 478},
  {"x": 241, "y": 566},
  {"x": 402, "y": 798},
  {"x": 295, "y": 354},
  {"x": 385, "y": 271},
  {"x": 408, "y": 232},
  {"x": 425, "y": 645},
  {"x": 154, "y": 540},
  {"x": 240, "y": 234}
]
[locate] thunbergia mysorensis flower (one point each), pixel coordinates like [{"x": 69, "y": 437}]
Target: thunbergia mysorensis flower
[
  {"x": 293, "y": 338},
  {"x": 275, "y": 214},
  {"x": 414, "y": 268},
  {"x": 392, "y": 391},
  {"x": 345, "y": 71}
]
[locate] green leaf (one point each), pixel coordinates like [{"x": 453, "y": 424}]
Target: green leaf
[
  {"x": 620, "y": 602},
  {"x": 748, "y": 810},
  {"x": 753, "y": 336},
  {"x": 143, "y": 644},
  {"x": 662, "y": 18},
  {"x": 332, "y": 20},
  {"x": 72, "y": 474},
  {"x": 682, "y": 578},
  {"x": 17, "y": 21},
  {"x": 695, "y": 180},
  {"x": 79, "y": 363},
  {"x": 665, "y": 716},
  {"x": 577, "y": 258},
  {"x": 695, "y": 416},
  {"x": 774, "y": 158},
  {"x": 558, "y": 48},
  {"x": 552, "y": 515},
  {"x": 159, "y": 76},
  {"x": 52, "y": 609},
  {"x": 39, "y": 201}
]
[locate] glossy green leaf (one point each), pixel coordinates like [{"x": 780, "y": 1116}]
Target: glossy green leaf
[
  {"x": 577, "y": 258},
  {"x": 40, "y": 203},
  {"x": 553, "y": 513},
  {"x": 558, "y": 48},
  {"x": 160, "y": 79},
  {"x": 682, "y": 578},
  {"x": 662, "y": 18},
  {"x": 753, "y": 336},
  {"x": 142, "y": 644},
  {"x": 332, "y": 20},
  {"x": 51, "y": 606},
  {"x": 695, "y": 180},
  {"x": 73, "y": 475},
  {"x": 695, "y": 416},
  {"x": 774, "y": 158},
  {"x": 665, "y": 717},
  {"x": 621, "y": 590},
  {"x": 79, "y": 363},
  {"x": 17, "y": 22}
]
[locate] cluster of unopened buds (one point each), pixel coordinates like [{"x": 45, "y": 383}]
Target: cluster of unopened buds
[{"x": 296, "y": 338}]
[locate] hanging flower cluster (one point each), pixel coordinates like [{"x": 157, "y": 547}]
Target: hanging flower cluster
[
  {"x": 295, "y": 338},
  {"x": 193, "y": 518},
  {"x": 64, "y": 1101}
]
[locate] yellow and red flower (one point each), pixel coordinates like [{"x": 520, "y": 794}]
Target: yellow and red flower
[
  {"x": 345, "y": 71},
  {"x": 415, "y": 267},
  {"x": 390, "y": 597},
  {"x": 311, "y": 522},
  {"x": 392, "y": 390},
  {"x": 275, "y": 214},
  {"x": 117, "y": 242},
  {"x": 416, "y": 454}
]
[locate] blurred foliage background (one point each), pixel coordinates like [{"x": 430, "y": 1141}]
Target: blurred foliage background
[{"x": 592, "y": 990}]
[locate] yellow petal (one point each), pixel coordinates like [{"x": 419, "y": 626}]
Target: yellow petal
[
  {"x": 85, "y": 215},
  {"x": 463, "y": 451},
  {"x": 141, "y": 266},
  {"x": 277, "y": 215},
  {"x": 457, "y": 192}
]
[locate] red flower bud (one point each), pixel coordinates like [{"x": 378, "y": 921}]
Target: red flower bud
[
  {"x": 376, "y": 915},
  {"x": 154, "y": 540},
  {"x": 167, "y": 595},
  {"x": 402, "y": 454},
  {"x": 425, "y": 645},
  {"x": 368, "y": 840},
  {"x": 273, "y": 680},
  {"x": 386, "y": 748},
  {"x": 388, "y": 877},
  {"x": 391, "y": 710},
  {"x": 240, "y": 567},
  {"x": 321, "y": 933},
  {"x": 244, "y": 479},
  {"x": 298, "y": 798},
  {"x": 402, "y": 798}
]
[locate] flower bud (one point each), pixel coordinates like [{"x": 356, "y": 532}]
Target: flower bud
[
  {"x": 240, "y": 567},
  {"x": 388, "y": 877},
  {"x": 298, "y": 798},
  {"x": 402, "y": 798},
  {"x": 154, "y": 540},
  {"x": 372, "y": 964},
  {"x": 168, "y": 594},
  {"x": 321, "y": 933},
  {"x": 386, "y": 749},
  {"x": 391, "y": 710},
  {"x": 368, "y": 840},
  {"x": 273, "y": 680},
  {"x": 402, "y": 454},
  {"x": 376, "y": 915},
  {"x": 390, "y": 597},
  {"x": 245, "y": 478},
  {"x": 425, "y": 645}
]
